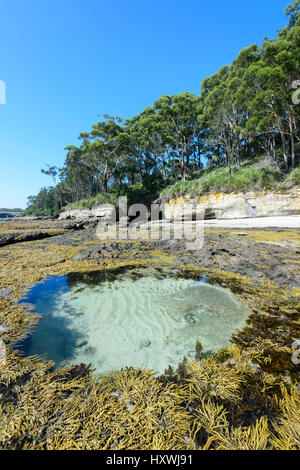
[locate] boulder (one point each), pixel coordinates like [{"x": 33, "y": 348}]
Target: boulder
[{"x": 104, "y": 212}]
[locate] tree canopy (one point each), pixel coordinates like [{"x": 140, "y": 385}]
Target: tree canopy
[{"x": 244, "y": 110}]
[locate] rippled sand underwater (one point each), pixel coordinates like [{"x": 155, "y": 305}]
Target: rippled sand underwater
[{"x": 148, "y": 322}]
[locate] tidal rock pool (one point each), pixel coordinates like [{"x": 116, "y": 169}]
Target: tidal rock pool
[{"x": 142, "y": 319}]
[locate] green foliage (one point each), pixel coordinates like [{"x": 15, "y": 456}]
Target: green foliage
[
  {"x": 294, "y": 177},
  {"x": 95, "y": 201},
  {"x": 4, "y": 209},
  {"x": 245, "y": 109},
  {"x": 45, "y": 203},
  {"x": 219, "y": 180}
]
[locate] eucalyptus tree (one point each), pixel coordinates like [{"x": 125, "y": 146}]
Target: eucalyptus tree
[
  {"x": 55, "y": 173},
  {"x": 242, "y": 110},
  {"x": 271, "y": 108},
  {"x": 132, "y": 164},
  {"x": 266, "y": 91},
  {"x": 289, "y": 42},
  {"x": 75, "y": 174},
  {"x": 178, "y": 113},
  {"x": 292, "y": 11},
  {"x": 216, "y": 113},
  {"x": 153, "y": 132},
  {"x": 44, "y": 203},
  {"x": 103, "y": 146},
  {"x": 223, "y": 109}
]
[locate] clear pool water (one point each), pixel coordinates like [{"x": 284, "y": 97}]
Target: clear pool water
[{"x": 142, "y": 320}]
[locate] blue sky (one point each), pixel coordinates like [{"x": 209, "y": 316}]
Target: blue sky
[{"x": 65, "y": 62}]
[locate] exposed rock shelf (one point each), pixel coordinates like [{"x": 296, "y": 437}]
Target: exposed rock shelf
[
  {"x": 238, "y": 205},
  {"x": 104, "y": 211}
]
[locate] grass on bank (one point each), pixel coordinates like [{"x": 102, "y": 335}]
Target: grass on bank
[
  {"x": 258, "y": 176},
  {"x": 95, "y": 201}
]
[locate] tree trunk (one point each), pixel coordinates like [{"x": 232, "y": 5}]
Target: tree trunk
[
  {"x": 182, "y": 167},
  {"x": 164, "y": 169},
  {"x": 285, "y": 156},
  {"x": 105, "y": 181},
  {"x": 238, "y": 154},
  {"x": 292, "y": 140},
  {"x": 228, "y": 162},
  {"x": 292, "y": 152}
]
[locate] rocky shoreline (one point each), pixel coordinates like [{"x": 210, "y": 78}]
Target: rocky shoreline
[
  {"x": 261, "y": 254},
  {"x": 223, "y": 206},
  {"x": 250, "y": 386}
]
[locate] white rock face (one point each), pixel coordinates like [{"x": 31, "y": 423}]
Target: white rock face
[
  {"x": 214, "y": 206},
  {"x": 238, "y": 205},
  {"x": 103, "y": 212}
]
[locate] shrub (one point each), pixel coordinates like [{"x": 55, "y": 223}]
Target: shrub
[{"x": 254, "y": 177}]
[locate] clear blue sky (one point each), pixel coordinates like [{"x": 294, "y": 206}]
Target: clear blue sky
[{"x": 66, "y": 61}]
